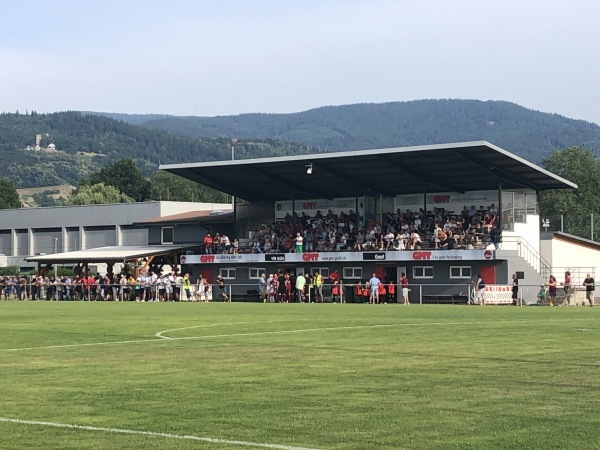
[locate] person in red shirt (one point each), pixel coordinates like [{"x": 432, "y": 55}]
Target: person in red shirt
[
  {"x": 404, "y": 283},
  {"x": 382, "y": 292},
  {"x": 208, "y": 244},
  {"x": 391, "y": 292},
  {"x": 366, "y": 293}
]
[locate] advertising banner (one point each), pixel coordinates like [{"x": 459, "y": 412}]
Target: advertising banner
[
  {"x": 390, "y": 256},
  {"x": 450, "y": 201},
  {"x": 310, "y": 207}
]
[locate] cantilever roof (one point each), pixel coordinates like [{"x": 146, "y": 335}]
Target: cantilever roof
[
  {"x": 110, "y": 254},
  {"x": 457, "y": 167}
]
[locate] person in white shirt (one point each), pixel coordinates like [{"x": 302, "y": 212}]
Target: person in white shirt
[
  {"x": 389, "y": 239},
  {"x": 178, "y": 284},
  {"x": 169, "y": 287},
  {"x": 374, "y": 282},
  {"x": 226, "y": 243}
]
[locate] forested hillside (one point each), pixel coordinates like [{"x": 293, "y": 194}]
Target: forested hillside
[
  {"x": 80, "y": 144},
  {"x": 530, "y": 134}
]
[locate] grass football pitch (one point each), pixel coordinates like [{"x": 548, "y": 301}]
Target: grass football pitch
[{"x": 287, "y": 376}]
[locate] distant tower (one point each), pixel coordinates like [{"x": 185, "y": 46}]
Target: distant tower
[{"x": 38, "y": 139}]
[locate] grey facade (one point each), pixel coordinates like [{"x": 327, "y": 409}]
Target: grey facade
[{"x": 30, "y": 231}]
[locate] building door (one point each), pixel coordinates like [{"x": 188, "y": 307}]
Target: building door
[
  {"x": 390, "y": 274},
  {"x": 207, "y": 273},
  {"x": 488, "y": 273}
]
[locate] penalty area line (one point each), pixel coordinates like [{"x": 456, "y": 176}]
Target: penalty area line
[{"x": 151, "y": 433}]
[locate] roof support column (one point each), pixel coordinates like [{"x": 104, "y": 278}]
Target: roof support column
[
  {"x": 235, "y": 227},
  {"x": 500, "y": 205},
  {"x": 118, "y": 235},
  {"x": 81, "y": 238},
  {"x": 381, "y": 211},
  {"x": 31, "y": 244}
]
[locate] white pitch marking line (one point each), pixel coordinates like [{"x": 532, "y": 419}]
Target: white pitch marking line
[
  {"x": 152, "y": 433},
  {"x": 305, "y": 330},
  {"x": 160, "y": 333}
]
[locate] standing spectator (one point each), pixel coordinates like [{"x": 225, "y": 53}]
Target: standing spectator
[
  {"x": 318, "y": 282},
  {"x": 187, "y": 287},
  {"x": 480, "y": 286},
  {"x": 391, "y": 291},
  {"x": 567, "y": 287},
  {"x": 404, "y": 284},
  {"x": 298, "y": 241},
  {"x": 374, "y": 283},
  {"x": 496, "y": 237},
  {"x": 226, "y": 243},
  {"x": 123, "y": 288},
  {"x": 590, "y": 287},
  {"x": 300, "y": 283},
  {"x": 178, "y": 287},
  {"x": 262, "y": 287},
  {"x": 208, "y": 244},
  {"x": 551, "y": 290},
  {"x": 217, "y": 244},
  {"x": 515, "y": 289},
  {"x": 221, "y": 285}
]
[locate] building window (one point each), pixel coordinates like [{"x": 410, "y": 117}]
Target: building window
[
  {"x": 324, "y": 271},
  {"x": 423, "y": 272},
  {"x": 255, "y": 272},
  {"x": 166, "y": 235},
  {"x": 228, "y": 273},
  {"x": 463, "y": 272},
  {"x": 352, "y": 273}
]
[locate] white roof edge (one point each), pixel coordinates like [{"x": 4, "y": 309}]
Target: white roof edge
[
  {"x": 114, "y": 252},
  {"x": 317, "y": 156},
  {"x": 532, "y": 165}
]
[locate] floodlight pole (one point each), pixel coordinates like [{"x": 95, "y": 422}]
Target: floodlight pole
[
  {"x": 55, "y": 252},
  {"x": 233, "y": 142}
]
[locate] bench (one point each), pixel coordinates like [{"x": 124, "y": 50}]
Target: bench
[{"x": 456, "y": 299}]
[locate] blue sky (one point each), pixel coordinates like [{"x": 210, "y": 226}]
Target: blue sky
[{"x": 223, "y": 57}]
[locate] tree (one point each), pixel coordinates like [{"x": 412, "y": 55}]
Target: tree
[
  {"x": 125, "y": 177},
  {"x": 581, "y": 167},
  {"x": 166, "y": 186},
  {"x": 9, "y": 197},
  {"x": 97, "y": 194}
]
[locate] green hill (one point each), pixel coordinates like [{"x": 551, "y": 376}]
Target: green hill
[
  {"x": 530, "y": 134},
  {"x": 83, "y": 142},
  {"x": 73, "y": 145}
]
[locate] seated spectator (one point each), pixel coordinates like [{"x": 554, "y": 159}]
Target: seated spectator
[
  {"x": 389, "y": 240},
  {"x": 473, "y": 212},
  {"x": 256, "y": 248},
  {"x": 400, "y": 242},
  {"x": 488, "y": 223},
  {"x": 415, "y": 240}
]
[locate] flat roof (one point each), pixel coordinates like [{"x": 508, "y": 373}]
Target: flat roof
[
  {"x": 111, "y": 254},
  {"x": 457, "y": 167},
  {"x": 206, "y": 217}
]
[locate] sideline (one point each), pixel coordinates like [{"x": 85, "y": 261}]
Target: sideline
[
  {"x": 301, "y": 330},
  {"x": 152, "y": 433}
]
